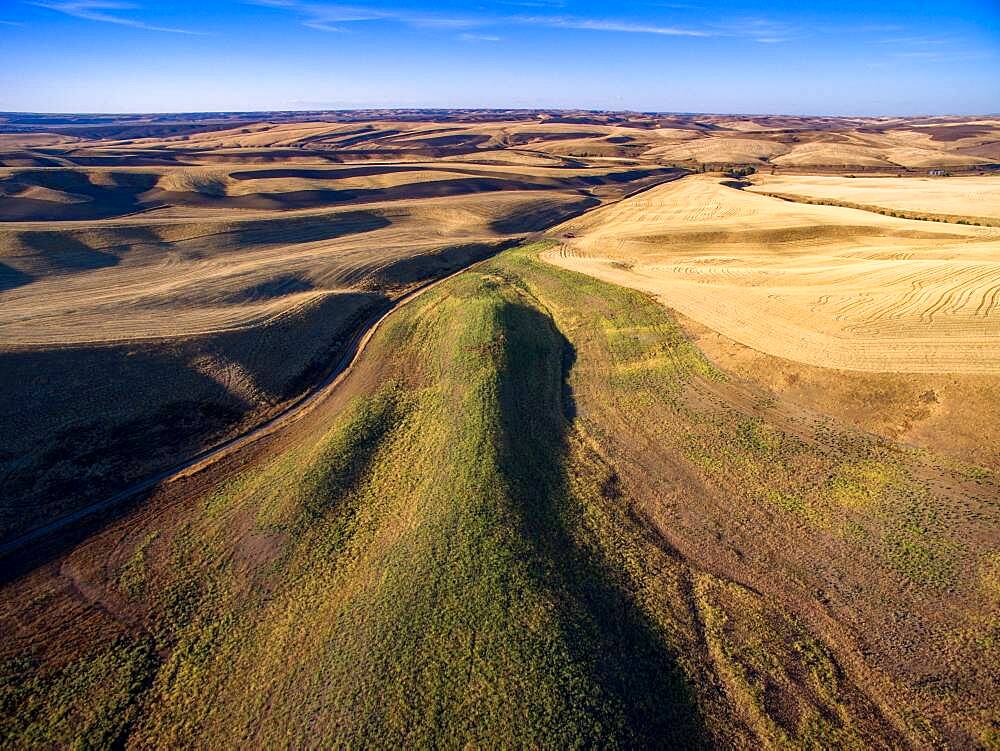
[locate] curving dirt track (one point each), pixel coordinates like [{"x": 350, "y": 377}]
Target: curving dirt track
[
  {"x": 290, "y": 414},
  {"x": 296, "y": 409},
  {"x": 151, "y": 309}
]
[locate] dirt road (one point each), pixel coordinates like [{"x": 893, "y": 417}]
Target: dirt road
[{"x": 291, "y": 413}]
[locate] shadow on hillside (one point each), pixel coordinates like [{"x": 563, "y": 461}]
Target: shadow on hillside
[
  {"x": 11, "y": 277},
  {"x": 545, "y": 215},
  {"x": 120, "y": 196},
  {"x": 82, "y": 423},
  {"x": 305, "y": 199},
  {"x": 417, "y": 268},
  {"x": 649, "y": 702},
  {"x": 300, "y": 229},
  {"x": 62, "y": 252}
]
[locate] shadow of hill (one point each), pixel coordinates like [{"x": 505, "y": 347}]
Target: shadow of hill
[
  {"x": 413, "y": 269},
  {"x": 304, "y": 199},
  {"x": 40, "y": 253},
  {"x": 60, "y": 252},
  {"x": 542, "y": 216},
  {"x": 330, "y": 174},
  {"x": 81, "y": 423},
  {"x": 11, "y": 277},
  {"x": 119, "y": 196},
  {"x": 72, "y": 428},
  {"x": 285, "y": 284},
  {"x": 293, "y": 230},
  {"x": 649, "y": 702}
]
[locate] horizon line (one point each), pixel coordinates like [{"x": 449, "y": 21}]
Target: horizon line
[{"x": 589, "y": 110}]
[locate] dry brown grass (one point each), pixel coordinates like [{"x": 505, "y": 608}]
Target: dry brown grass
[{"x": 951, "y": 414}]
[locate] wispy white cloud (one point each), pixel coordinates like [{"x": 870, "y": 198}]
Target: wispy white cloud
[
  {"x": 332, "y": 17},
  {"x": 869, "y": 28},
  {"x": 322, "y": 26},
  {"x": 930, "y": 49},
  {"x": 327, "y": 17},
  {"x": 479, "y": 38},
  {"x": 760, "y": 30},
  {"x": 943, "y": 56},
  {"x": 534, "y": 3},
  {"x": 443, "y": 22},
  {"x": 97, "y": 10},
  {"x": 592, "y": 24},
  {"x": 11, "y": 23},
  {"x": 918, "y": 41},
  {"x": 337, "y": 17},
  {"x": 924, "y": 55},
  {"x": 323, "y": 16}
]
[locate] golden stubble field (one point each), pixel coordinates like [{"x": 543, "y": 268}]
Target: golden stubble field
[
  {"x": 973, "y": 199},
  {"x": 143, "y": 278},
  {"x": 886, "y": 324},
  {"x": 822, "y": 285}
]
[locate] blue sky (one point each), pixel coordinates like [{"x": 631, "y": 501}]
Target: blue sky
[{"x": 729, "y": 56}]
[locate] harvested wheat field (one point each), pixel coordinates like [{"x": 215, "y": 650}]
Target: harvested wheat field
[
  {"x": 971, "y": 200},
  {"x": 142, "y": 279},
  {"x": 823, "y": 285}
]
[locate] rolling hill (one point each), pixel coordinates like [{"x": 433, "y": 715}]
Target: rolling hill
[
  {"x": 534, "y": 514},
  {"x": 498, "y": 429}
]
